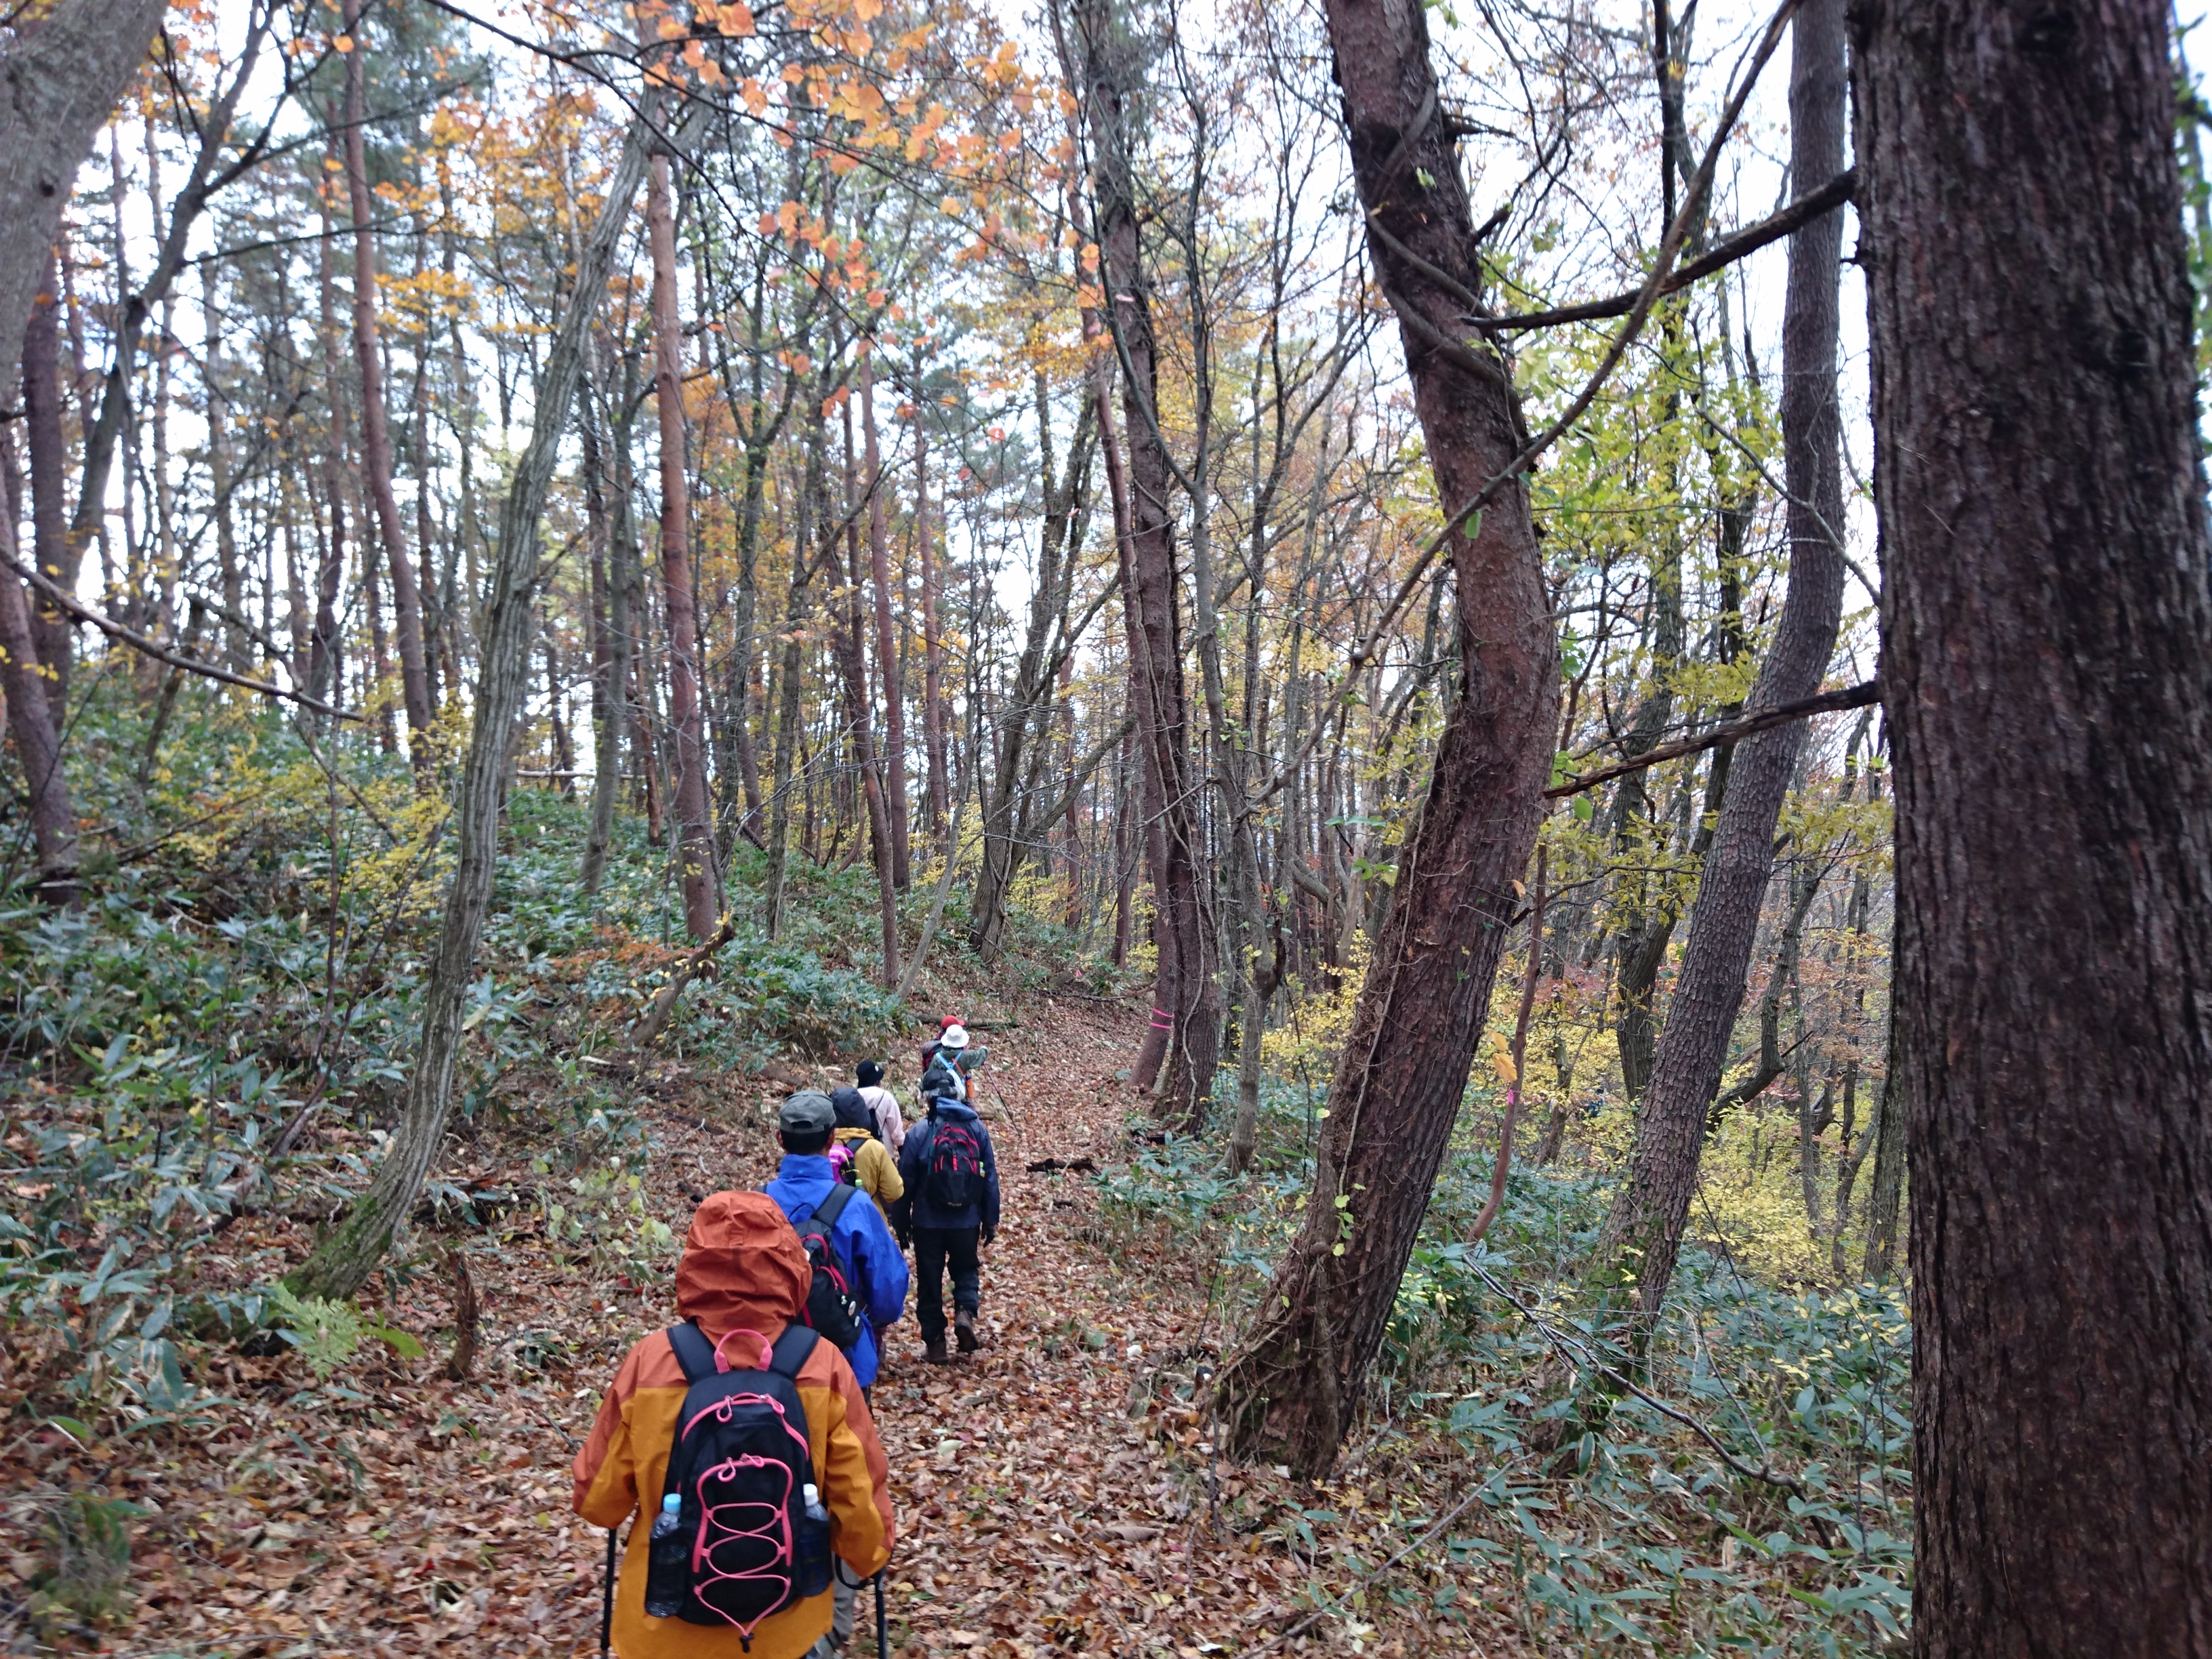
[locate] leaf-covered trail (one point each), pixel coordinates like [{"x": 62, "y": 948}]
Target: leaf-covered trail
[{"x": 1055, "y": 1493}]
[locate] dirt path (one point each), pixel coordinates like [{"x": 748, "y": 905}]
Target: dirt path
[{"x": 392, "y": 1512}]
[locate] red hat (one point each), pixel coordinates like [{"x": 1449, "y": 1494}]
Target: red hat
[{"x": 949, "y": 1021}]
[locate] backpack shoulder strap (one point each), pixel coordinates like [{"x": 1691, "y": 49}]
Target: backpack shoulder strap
[
  {"x": 792, "y": 1349},
  {"x": 831, "y": 1207},
  {"x": 693, "y": 1352}
]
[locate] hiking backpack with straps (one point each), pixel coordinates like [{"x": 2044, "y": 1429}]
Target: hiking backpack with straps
[
  {"x": 942, "y": 1079},
  {"x": 832, "y": 1306},
  {"x": 956, "y": 1165},
  {"x": 739, "y": 1466}
]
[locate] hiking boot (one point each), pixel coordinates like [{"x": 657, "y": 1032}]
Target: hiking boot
[
  {"x": 933, "y": 1350},
  {"x": 963, "y": 1330}
]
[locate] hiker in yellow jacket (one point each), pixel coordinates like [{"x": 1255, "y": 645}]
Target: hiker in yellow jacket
[
  {"x": 744, "y": 1269},
  {"x": 875, "y": 1171}
]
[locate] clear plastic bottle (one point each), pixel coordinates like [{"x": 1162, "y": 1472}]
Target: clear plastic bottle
[
  {"x": 810, "y": 1563},
  {"x": 667, "y": 1561}
]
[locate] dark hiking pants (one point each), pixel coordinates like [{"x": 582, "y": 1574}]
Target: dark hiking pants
[{"x": 935, "y": 1248}]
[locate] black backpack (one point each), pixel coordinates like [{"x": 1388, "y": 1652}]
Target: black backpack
[
  {"x": 832, "y": 1307},
  {"x": 956, "y": 1165},
  {"x": 739, "y": 1463}
]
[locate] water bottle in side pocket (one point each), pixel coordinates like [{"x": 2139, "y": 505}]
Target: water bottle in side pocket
[
  {"x": 667, "y": 1561},
  {"x": 810, "y": 1551}
]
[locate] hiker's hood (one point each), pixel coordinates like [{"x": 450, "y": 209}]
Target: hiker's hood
[
  {"x": 848, "y": 1136},
  {"x": 742, "y": 1266},
  {"x": 852, "y": 1111},
  {"x": 952, "y": 1111}
]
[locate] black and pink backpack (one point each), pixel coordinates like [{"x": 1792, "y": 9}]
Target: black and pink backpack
[{"x": 740, "y": 1465}]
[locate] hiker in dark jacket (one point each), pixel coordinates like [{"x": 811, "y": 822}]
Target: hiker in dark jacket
[{"x": 952, "y": 1207}]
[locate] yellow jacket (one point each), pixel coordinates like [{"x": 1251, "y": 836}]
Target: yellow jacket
[
  {"x": 742, "y": 1269},
  {"x": 875, "y": 1171}
]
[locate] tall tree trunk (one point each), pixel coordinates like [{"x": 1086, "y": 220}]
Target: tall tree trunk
[
  {"x": 1885, "y": 1197},
  {"x": 324, "y": 671},
  {"x": 887, "y": 657},
  {"x": 853, "y": 661},
  {"x": 344, "y": 1259},
  {"x": 787, "y": 690},
  {"x": 2046, "y": 626},
  {"x": 1644, "y": 1231},
  {"x": 610, "y": 599},
  {"x": 237, "y": 648},
  {"x": 60, "y": 76},
  {"x": 52, "y": 546},
  {"x": 1295, "y": 1388},
  {"x": 37, "y": 732},
  {"x": 375, "y": 430},
  {"x": 1181, "y": 889},
  {"x": 695, "y": 825},
  {"x": 1147, "y": 794},
  {"x": 933, "y": 641}
]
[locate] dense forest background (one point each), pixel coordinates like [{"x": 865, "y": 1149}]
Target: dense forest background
[{"x": 551, "y": 540}]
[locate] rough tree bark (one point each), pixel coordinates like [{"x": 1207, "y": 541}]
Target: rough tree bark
[
  {"x": 2046, "y": 623},
  {"x": 345, "y": 1259},
  {"x": 1291, "y": 1391},
  {"x": 1644, "y": 1231},
  {"x": 695, "y": 825},
  {"x": 932, "y": 643},
  {"x": 375, "y": 428},
  {"x": 51, "y": 545},
  {"x": 851, "y": 650},
  {"x": 1180, "y": 888},
  {"x": 887, "y": 659},
  {"x": 1145, "y": 795},
  {"x": 609, "y": 600},
  {"x": 59, "y": 78}
]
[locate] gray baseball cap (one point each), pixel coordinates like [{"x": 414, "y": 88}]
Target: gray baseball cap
[{"x": 808, "y": 1113}]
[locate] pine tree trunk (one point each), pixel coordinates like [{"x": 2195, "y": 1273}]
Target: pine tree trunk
[
  {"x": 375, "y": 429},
  {"x": 344, "y": 1262},
  {"x": 853, "y": 661},
  {"x": 38, "y": 735},
  {"x": 1644, "y": 1231},
  {"x": 56, "y": 551},
  {"x": 1180, "y": 888},
  {"x": 610, "y": 623},
  {"x": 1145, "y": 794},
  {"x": 695, "y": 825},
  {"x": 1295, "y": 1388},
  {"x": 2046, "y": 626},
  {"x": 237, "y": 648},
  {"x": 932, "y": 642},
  {"x": 787, "y": 690},
  {"x": 887, "y": 659}
]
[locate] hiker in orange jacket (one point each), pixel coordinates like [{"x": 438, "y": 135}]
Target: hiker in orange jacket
[{"x": 744, "y": 1269}]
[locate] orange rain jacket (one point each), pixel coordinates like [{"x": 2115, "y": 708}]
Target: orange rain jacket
[{"x": 743, "y": 1268}]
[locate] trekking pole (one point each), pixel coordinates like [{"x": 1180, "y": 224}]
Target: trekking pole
[
  {"x": 883, "y": 1626},
  {"x": 607, "y": 1595}
]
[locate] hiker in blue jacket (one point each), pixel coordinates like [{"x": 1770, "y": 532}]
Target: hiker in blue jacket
[
  {"x": 867, "y": 1253},
  {"x": 952, "y": 1207}
]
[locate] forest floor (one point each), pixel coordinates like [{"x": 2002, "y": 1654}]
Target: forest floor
[{"x": 1057, "y": 1493}]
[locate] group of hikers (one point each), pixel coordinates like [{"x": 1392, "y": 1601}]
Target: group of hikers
[{"x": 741, "y": 1438}]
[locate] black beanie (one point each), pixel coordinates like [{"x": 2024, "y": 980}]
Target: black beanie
[{"x": 870, "y": 1074}]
